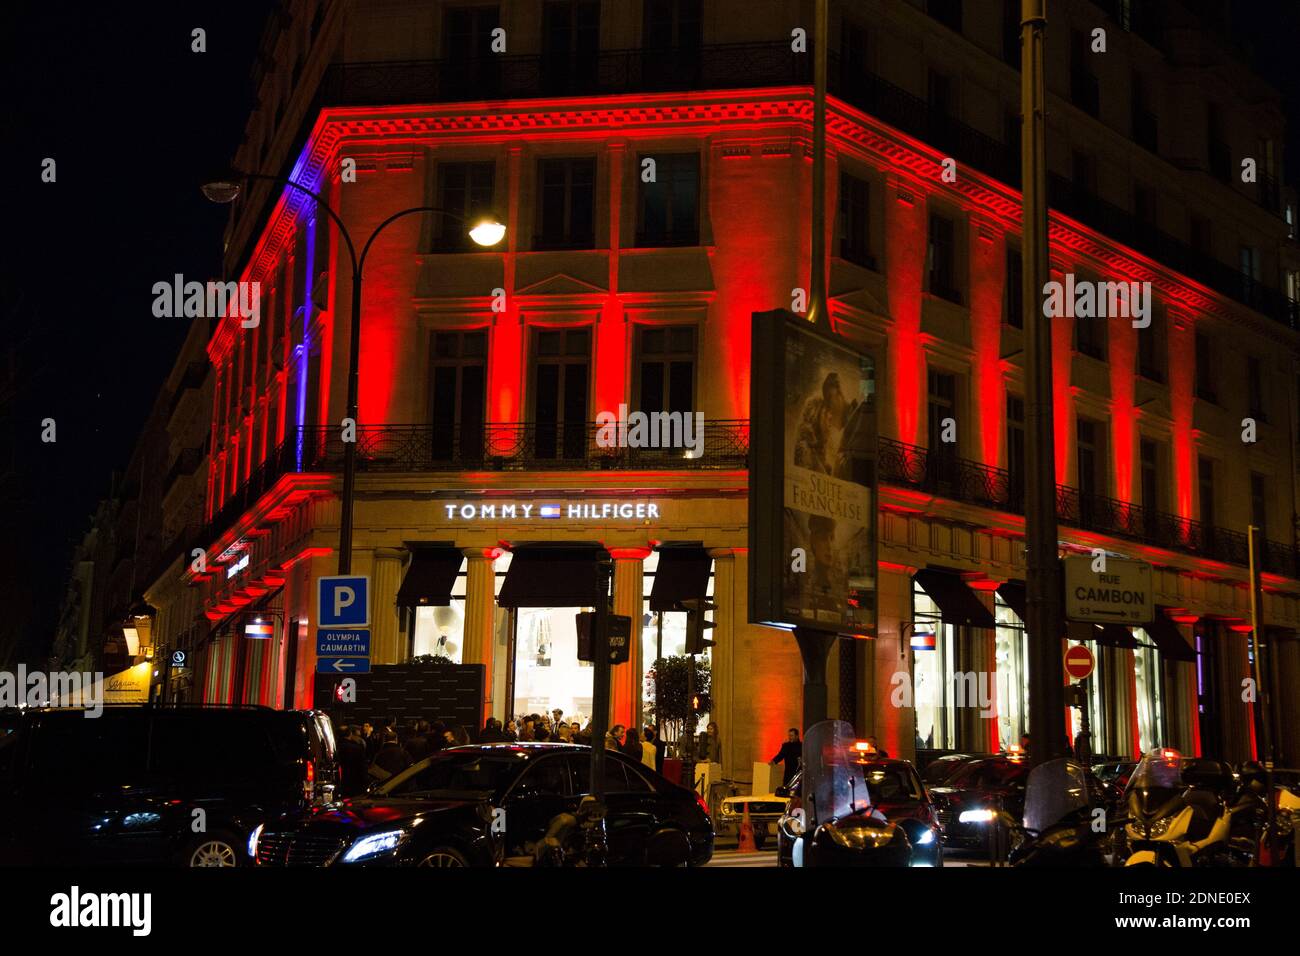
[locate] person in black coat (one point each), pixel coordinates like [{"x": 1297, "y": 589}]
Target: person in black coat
[
  {"x": 352, "y": 761},
  {"x": 790, "y": 754},
  {"x": 391, "y": 758}
]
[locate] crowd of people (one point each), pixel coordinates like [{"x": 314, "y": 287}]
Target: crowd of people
[{"x": 369, "y": 753}]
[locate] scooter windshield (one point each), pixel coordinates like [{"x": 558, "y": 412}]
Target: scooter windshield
[
  {"x": 1055, "y": 789},
  {"x": 1156, "y": 782},
  {"x": 833, "y": 785}
]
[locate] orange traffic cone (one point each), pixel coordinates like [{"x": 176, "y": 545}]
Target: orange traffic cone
[{"x": 747, "y": 844}]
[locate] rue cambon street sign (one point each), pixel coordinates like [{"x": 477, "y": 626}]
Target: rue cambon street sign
[{"x": 1121, "y": 594}]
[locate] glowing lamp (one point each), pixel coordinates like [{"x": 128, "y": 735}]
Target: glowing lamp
[
  {"x": 132, "y": 636},
  {"x": 487, "y": 232},
  {"x": 221, "y": 191}
]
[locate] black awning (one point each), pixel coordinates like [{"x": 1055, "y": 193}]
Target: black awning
[
  {"x": 1014, "y": 593},
  {"x": 1169, "y": 641},
  {"x": 1116, "y": 635},
  {"x": 957, "y": 602},
  {"x": 430, "y": 576},
  {"x": 552, "y": 575},
  {"x": 682, "y": 575}
]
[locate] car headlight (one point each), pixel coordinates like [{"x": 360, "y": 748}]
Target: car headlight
[
  {"x": 252, "y": 840},
  {"x": 926, "y": 838},
  {"x": 976, "y": 816},
  {"x": 376, "y": 844}
]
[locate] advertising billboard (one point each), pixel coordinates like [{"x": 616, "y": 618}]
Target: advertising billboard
[{"x": 812, "y": 479}]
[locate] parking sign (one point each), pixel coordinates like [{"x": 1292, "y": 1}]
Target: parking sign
[{"x": 344, "y": 601}]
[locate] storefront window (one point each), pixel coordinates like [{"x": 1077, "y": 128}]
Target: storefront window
[
  {"x": 1012, "y": 656},
  {"x": 936, "y": 717},
  {"x": 1150, "y": 711},
  {"x": 1096, "y": 710},
  {"x": 671, "y": 644}
]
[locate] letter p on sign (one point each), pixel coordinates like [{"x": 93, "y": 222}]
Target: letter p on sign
[{"x": 344, "y": 601}]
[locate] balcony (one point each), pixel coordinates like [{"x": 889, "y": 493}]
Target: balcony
[
  {"x": 946, "y": 476},
  {"x": 757, "y": 65}
]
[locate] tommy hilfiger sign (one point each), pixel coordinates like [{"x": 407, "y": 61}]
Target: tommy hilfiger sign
[{"x": 573, "y": 511}]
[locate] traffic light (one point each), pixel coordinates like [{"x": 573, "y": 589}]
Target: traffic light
[
  {"x": 695, "y": 703},
  {"x": 696, "y": 625}
]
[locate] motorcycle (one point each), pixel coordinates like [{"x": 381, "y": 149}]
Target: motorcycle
[
  {"x": 1173, "y": 823},
  {"x": 836, "y": 824},
  {"x": 1060, "y": 826}
]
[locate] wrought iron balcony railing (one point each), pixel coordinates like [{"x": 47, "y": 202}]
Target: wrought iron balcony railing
[
  {"x": 530, "y": 446},
  {"x": 944, "y": 475}
]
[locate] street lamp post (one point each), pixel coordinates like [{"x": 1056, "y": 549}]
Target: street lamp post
[{"x": 485, "y": 232}]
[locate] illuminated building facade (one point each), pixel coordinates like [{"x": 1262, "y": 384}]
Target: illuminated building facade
[{"x": 483, "y": 372}]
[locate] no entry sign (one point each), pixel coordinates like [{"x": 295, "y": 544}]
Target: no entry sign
[{"x": 1079, "y": 662}]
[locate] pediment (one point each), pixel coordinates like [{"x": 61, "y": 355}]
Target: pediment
[{"x": 560, "y": 284}]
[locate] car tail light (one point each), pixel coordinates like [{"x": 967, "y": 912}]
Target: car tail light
[
  {"x": 309, "y": 780},
  {"x": 699, "y": 798}
]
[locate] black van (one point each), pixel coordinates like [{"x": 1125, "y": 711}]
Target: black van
[{"x": 157, "y": 785}]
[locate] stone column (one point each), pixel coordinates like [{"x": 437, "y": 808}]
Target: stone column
[
  {"x": 388, "y": 644},
  {"x": 625, "y": 679},
  {"x": 480, "y": 612},
  {"x": 730, "y": 611}
]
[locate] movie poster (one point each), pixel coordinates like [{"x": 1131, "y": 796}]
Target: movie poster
[
  {"x": 812, "y": 521},
  {"x": 828, "y": 508}
]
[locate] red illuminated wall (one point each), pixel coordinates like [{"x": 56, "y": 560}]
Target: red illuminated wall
[{"x": 905, "y": 244}]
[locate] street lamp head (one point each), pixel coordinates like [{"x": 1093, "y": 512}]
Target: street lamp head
[
  {"x": 221, "y": 191},
  {"x": 487, "y": 232}
]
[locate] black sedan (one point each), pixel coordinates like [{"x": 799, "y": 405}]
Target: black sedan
[
  {"x": 490, "y": 804},
  {"x": 969, "y": 799},
  {"x": 896, "y": 791}
]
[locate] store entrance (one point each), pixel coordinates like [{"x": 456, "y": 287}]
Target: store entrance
[{"x": 544, "y": 673}]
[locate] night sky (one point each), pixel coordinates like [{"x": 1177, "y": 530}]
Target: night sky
[{"x": 135, "y": 121}]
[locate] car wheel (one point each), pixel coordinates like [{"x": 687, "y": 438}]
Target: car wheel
[
  {"x": 212, "y": 849},
  {"x": 444, "y": 856}
]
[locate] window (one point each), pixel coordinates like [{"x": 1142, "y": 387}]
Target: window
[
  {"x": 1259, "y": 504},
  {"x": 672, "y": 36},
  {"x": 1145, "y": 129},
  {"x": 1144, "y": 205},
  {"x": 570, "y": 46},
  {"x": 1202, "y": 238},
  {"x": 947, "y": 12},
  {"x": 1013, "y": 299},
  {"x": 941, "y": 258},
  {"x": 566, "y": 199},
  {"x": 1011, "y": 136},
  {"x": 561, "y": 372},
  {"x": 473, "y": 70},
  {"x": 1149, "y": 455},
  {"x": 1092, "y": 458},
  {"x": 549, "y": 776},
  {"x": 666, "y": 368},
  {"x": 1011, "y": 33},
  {"x": 1151, "y": 346},
  {"x": 1090, "y": 336},
  {"x": 668, "y": 211},
  {"x": 1084, "y": 90},
  {"x": 1248, "y": 261},
  {"x": 468, "y": 191},
  {"x": 1205, "y": 484},
  {"x": 1084, "y": 169},
  {"x": 1255, "y": 389},
  {"x": 1204, "y": 369},
  {"x": 854, "y": 227},
  {"x": 1015, "y": 450},
  {"x": 853, "y": 50},
  {"x": 1219, "y": 154},
  {"x": 616, "y": 775},
  {"x": 939, "y": 95},
  {"x": 457, "y": 393},
  {"x": 942, "y": 405}
]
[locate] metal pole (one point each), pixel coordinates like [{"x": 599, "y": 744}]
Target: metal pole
[
  {"x": 1043, "y": 586},
  {"x": 817, "y": 294},
  {"x": 350, "y": 447},
  {"x": 1251, "y": 544},
  {"x": 600, "y": 681}
]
